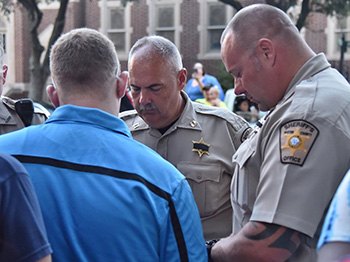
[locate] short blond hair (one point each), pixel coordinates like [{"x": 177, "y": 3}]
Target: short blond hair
[{"x": 84, "y": 59}]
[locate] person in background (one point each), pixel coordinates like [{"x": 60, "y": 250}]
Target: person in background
[
  {"x": 22, "y": 230},
  {"x": 205, "y": 100},
  {"x": 200, "y": 78},
  {"x": 18, "y": 114},
  {"x": 242, "y": 104},
  {"x": 211, "y": 96},
  {"x": 334, "y": 242},
  {"x": 104, "y": 196},
  {"x": 197, "y": 139},
  {"x": 243, "y": 108},
  {"x": 285, "y": 175},
  {"x": 214, "y": 98}
]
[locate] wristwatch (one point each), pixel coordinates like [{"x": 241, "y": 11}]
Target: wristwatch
[{"x": 209, "y": 244}]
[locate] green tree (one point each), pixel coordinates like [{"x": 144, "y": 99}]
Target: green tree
[
  {"x": 39, "y": 71},
  {"x": 329, "y": 7}
]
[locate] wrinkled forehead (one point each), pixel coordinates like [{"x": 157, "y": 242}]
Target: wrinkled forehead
[{"x": 146, "y": 55}]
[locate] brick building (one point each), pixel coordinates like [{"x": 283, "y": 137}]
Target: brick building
[{"x": 194, "y": 26}]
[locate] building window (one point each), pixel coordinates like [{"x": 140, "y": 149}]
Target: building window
[
  {"x": 335, "y": 30},
  {"x": 3, "y": 35},
  {"x": 166, "y": 22},
  {"x": 116, "y": 30},
  {"x": 216, "y": 24},
  {"x": 115, "y": 24},
  {"x": 164, "y": 18},
  {"x": 214, "y": 17}
]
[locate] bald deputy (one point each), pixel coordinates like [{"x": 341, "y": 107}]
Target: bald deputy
[
  {"x": 199, "y": 140},
  {"x": 287, "y": 171}
]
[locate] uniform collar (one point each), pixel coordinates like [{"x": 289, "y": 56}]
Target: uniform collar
[
  {"x": 188, "y": 118},
  {"x": 89, "y": 116},
  {"x": 313, "y": 66}
]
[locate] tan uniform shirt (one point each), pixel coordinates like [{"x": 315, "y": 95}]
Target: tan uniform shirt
[
  {"x": 200, "y": 144},
  {"x": 10, "y": 120},
  {"x": 289, "y": 169}
]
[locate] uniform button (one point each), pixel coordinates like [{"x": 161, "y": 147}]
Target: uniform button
[{"x": 199, "y": 177}]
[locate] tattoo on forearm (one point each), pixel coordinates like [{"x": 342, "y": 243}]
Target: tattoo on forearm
[
  {"x": 283, "y": 242},
  {"x": 266, "y": 233}
]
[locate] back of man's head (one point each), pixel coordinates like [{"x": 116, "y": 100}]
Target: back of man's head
[{"x": 84, "y": 61}]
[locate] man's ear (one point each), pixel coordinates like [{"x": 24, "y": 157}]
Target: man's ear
[
  {"x": 181, "y": 78},
  {"x": 266, "y": 51},
  {"x": 52, "y": 93},
  {"x": 4, "y": 74},
  {"x": 121, "y": 84}
]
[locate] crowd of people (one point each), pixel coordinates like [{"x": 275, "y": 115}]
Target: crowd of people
[{"x": 180, "y": 177}]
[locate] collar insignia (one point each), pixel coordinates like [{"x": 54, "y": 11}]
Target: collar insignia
[{"x": 200, "y": 147}]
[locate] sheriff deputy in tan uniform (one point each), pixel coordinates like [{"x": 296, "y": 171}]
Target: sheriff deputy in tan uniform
[
  {"x": 199, "y": 140},
  {"x": 14, "y": 114},
  {"x": 290, "y": 166}
]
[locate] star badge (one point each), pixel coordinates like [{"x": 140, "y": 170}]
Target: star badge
[
  {"x": 296, "y": 140},
  {"x": 201, "y": 147}
]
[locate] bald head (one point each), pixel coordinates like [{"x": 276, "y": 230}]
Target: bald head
[
  {"x": 260, "y": 21},
  {"x": 262, "y": 48}
]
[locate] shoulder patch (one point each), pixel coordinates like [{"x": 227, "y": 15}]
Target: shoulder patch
[{"x": 296, "y": 140}]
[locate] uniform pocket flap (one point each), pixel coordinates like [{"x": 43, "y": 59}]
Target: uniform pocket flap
[{"x": 200, "y": 172}]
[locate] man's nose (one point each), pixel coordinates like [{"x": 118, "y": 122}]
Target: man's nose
[{"x": 144, "y": 97}]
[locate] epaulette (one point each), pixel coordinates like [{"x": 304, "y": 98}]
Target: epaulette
[
  {"x": 133, "y": 120},
  {"x": 8, "y": 102},
  {"x": 41, "y": 110},
  {"x": 220, "y": 112},
  {"x": 128, "y": 114}
]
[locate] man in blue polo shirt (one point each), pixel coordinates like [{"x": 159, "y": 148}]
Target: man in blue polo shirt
[{"x": 104, "y": 196}]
